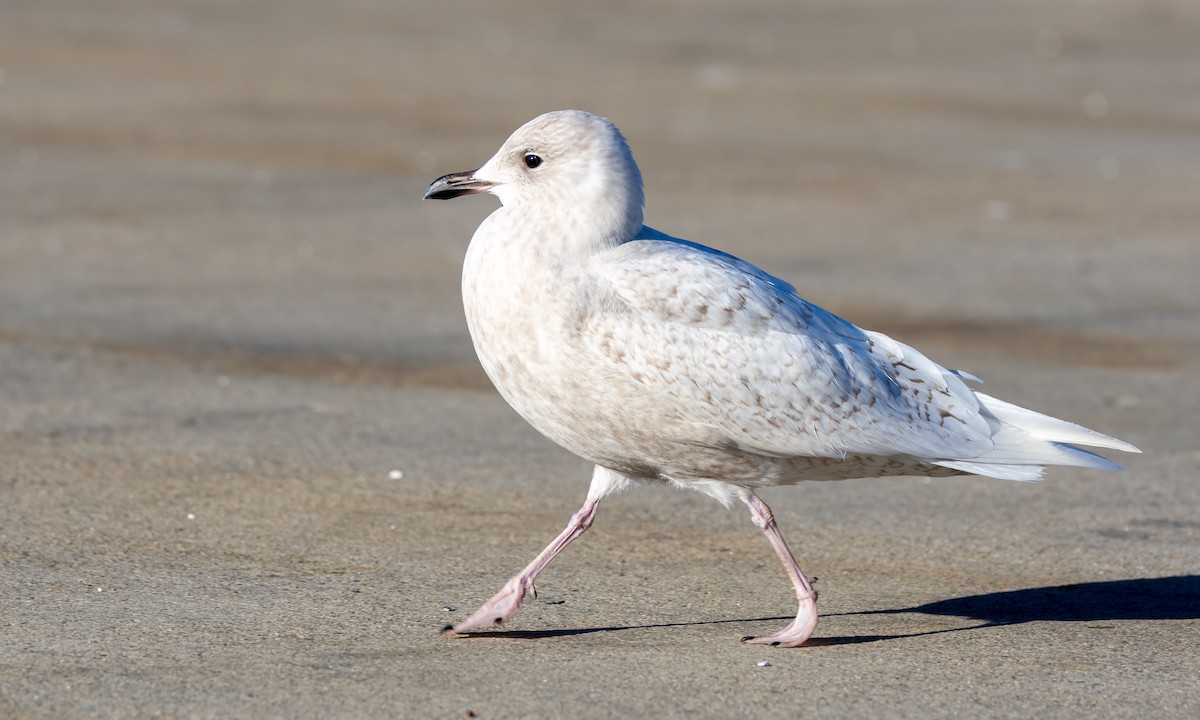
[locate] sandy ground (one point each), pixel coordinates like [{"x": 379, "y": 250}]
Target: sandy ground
[{"x": 226, "y": 319}]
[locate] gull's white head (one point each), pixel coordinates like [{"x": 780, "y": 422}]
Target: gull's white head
[{"x": 568, "y": 162}]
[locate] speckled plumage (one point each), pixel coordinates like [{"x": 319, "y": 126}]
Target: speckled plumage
[{"x": 659, "y": 359}]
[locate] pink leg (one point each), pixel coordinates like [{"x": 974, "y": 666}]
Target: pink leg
[
  {"x": 504, "y": 605},
  {"x": 802, "y": 627}
]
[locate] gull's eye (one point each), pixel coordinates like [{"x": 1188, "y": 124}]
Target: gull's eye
[{"x": 532, "y": 161}]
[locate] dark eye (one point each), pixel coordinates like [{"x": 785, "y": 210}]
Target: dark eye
[{"x": 532, "y": 161}]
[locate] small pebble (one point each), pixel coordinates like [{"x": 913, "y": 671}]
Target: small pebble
[
  {"x": 764, "y": 663},
  {"x": 449, "y": 608},
  {"x": 191, "y": 516},
  {"x": 395, "y": 475}
]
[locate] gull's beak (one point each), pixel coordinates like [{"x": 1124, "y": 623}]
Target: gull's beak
[{"x": 455, "y": 184}]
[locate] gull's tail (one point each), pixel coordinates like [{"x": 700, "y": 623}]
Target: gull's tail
[{"x": 1025, "y": 441}]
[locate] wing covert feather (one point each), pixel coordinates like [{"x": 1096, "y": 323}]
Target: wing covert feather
[{"x": 741, "y": 352}]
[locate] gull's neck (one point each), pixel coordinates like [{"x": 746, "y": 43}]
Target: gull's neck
[{"x": 581, "y": 224}]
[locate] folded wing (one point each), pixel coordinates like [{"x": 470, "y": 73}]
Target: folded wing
[{"x": 740, "y": 352}]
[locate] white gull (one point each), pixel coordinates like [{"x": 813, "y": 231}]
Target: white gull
[{"x": 661, "y": 360}]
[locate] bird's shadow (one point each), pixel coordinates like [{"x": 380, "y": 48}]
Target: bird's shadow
[{"x": 1167, "y": 598}]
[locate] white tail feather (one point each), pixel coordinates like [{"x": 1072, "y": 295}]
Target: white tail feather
[
  {"x": 1023, "y": 473},
  {"x": 1024, "y": 441},
  {"x": 1050, "y": 428}
]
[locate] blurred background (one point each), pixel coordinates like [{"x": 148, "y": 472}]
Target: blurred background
[
  {"x": 237, "y": 394},
  {"x": 216, "y": 173}
]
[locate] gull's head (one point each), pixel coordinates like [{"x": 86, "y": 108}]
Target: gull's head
[{"x": 567, "y": 161}]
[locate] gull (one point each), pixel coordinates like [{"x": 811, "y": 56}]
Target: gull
[{"x": 664, "y": 361}]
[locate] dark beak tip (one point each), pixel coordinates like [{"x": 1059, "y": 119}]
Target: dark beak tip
[
  {"x": 444, "y": 193},
  {"x": 455, "y": 185}
]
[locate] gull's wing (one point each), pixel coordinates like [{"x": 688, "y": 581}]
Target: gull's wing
[
  {"x": 738, "y": 351},
  {"x": 741, "y": 352}
]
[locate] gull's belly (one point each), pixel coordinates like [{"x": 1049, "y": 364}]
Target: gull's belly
[
  {"x": 545, "y": 371},
  {"x": 525, "y": 328},
  {"x": 515, "y": 302},
  {"x": 541, "y": 371}
]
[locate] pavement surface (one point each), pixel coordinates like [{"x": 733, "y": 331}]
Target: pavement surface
[{"x": 249, "y": 466}]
